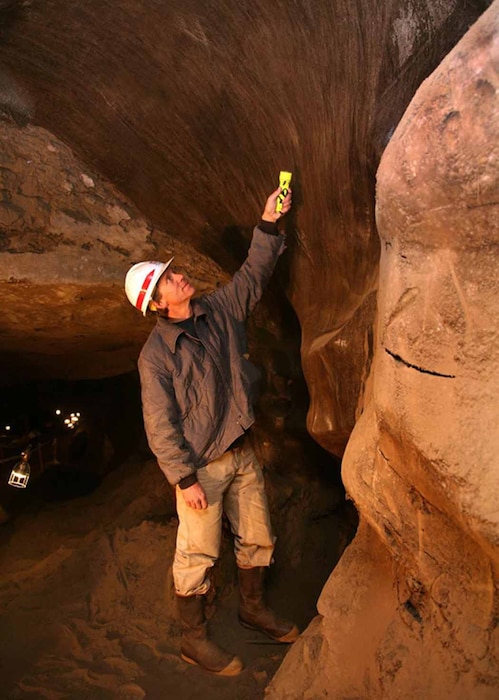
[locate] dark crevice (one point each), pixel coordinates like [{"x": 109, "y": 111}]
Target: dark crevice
[
  {"x": 413, "y": 611},
  {"x": 419, "y": 369},
  {"x": 383, "y": 455},
  {"x": 482, "y": 204}
]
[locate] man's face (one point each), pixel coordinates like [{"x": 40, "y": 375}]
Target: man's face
[{"x": 172, "y": 290}]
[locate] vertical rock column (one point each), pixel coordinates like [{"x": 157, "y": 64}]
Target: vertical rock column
[{"x": 411, "y": 610}]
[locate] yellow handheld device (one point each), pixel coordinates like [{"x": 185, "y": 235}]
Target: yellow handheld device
[{"x": 284, "y": 183}]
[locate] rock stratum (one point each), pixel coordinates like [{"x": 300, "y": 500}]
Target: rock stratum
[{"x": 411, "y": 609}]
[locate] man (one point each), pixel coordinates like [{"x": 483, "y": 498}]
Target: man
[{"x": 197, "y": 390}]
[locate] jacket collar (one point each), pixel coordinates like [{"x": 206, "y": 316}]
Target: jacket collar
[{"x": 171, "y": 331}]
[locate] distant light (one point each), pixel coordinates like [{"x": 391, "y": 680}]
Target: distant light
[
  {"x": 67, "y": 421},
  {"x": 78, "y": 414},
  {"x": 7, "y": 427},
  {"x": 58, "y": 411}
]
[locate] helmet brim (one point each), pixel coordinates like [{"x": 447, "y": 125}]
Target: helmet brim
[{"x": 154, "y": 283}]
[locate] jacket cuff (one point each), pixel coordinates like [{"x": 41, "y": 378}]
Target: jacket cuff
[
  {"x": 188, "y": 480},
  {"x": 269, "y": 227}
]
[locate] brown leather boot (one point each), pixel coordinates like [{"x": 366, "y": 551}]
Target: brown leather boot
[
  {"x": 196, "y": 647},
  {"x": 255, "y": 615}
]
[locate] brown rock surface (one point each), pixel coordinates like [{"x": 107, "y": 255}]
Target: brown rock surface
[
  {"x": 411, "y": 610},
  {"x": 192, "y": 108},
  {"x": 67, "y": 239}
]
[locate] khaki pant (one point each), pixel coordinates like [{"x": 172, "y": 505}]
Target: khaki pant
[{"x": 233, "y": 483}]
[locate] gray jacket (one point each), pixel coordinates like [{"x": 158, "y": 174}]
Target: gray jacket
[{"x": 197, "y": 392}]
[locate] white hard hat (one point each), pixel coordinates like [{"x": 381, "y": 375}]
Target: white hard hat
[{"x": 141, "y": 280}]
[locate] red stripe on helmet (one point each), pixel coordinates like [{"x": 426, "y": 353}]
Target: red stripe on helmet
[{"x": 143, "y": 291}]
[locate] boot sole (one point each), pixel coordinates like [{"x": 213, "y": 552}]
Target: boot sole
[
  {"x": 233, "y": 669},
  {"x": 287, "y": 638}
]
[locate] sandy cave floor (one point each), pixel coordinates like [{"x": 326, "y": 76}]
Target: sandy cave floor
[{"x": 86, "y": 598}]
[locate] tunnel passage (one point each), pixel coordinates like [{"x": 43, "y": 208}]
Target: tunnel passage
[
  {"x": 135, "y": 130},
  {"x": 77, "y": 432}
]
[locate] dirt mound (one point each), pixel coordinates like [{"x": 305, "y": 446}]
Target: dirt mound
[{"x": 88, "y": 602}]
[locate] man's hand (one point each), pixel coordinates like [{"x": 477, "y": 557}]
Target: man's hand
[
  {"x": 195, "y": 496},
  {"x": 269, "y": 212}
]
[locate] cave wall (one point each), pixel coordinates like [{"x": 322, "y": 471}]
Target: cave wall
[
  {"x": 411, "y": 609},
  {"x": 67, "y": 238},
  {"x": 191, "y": 109}
]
